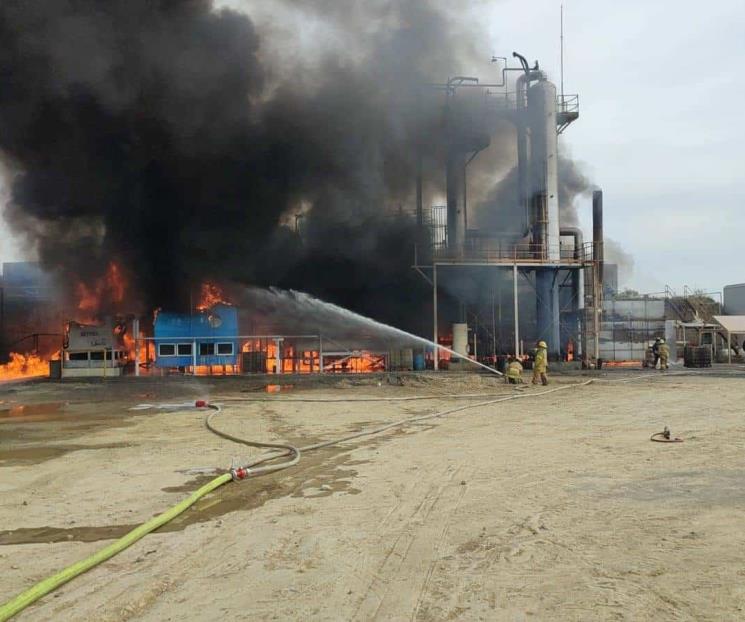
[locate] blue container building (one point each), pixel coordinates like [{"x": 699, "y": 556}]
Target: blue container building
[{"x": 202, "y": 338}]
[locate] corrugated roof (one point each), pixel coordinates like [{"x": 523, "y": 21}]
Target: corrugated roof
[{"x": 733, "y": 324}]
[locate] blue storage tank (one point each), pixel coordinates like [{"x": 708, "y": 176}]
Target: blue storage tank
[{"x": 213, "y": 332}]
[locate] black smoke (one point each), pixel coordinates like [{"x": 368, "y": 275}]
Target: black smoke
[{"x": 171, "y": 137}]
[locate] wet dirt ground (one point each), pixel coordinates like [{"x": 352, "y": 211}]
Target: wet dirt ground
[{"x": 553, "y": 507}]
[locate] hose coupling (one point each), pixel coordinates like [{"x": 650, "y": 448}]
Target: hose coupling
[{"x": 239, "y": 473}]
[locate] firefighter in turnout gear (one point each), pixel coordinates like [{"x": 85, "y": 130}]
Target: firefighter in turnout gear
[
  {"x": 514, "y": 372},
  {"x": 664, "y": 353},
  {"x": 656, "y": 351},
  {"x": 540, "y": 365}
]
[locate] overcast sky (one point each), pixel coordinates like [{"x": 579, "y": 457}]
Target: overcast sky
[{"x": 661, "y": 125}]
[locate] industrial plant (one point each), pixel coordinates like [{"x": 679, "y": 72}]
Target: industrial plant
[
  {"x": 320, "y": 310},
  {"x": 496, "y": 288}
]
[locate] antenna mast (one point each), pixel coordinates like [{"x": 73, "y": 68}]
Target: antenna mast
[{"x": 561, "y": 37}]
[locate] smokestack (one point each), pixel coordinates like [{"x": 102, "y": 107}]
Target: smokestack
[{"x": 597, "y": 233}]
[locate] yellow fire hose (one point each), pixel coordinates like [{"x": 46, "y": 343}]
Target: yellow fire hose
[
  {"x": 24, "y": 599},
  {"x": 44, "y": 587}
]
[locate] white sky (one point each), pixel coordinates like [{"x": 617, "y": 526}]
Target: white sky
[{"x": 661, "y": 124}]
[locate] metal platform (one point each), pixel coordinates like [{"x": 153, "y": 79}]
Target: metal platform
[{"x": 567, "y": 111}]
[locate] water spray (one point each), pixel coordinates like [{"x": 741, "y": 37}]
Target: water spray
[{"x": 294, "y": 303}]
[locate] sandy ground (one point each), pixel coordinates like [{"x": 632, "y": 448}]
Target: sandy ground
[{"x": 554, "y": 507}]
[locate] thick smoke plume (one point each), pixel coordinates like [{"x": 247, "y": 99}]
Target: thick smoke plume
[
  {"x": 263, "y": 143},
  {"x": 176, "y": 139}
]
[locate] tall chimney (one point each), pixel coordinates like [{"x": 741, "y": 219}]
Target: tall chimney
[{"x": 597, "y": 233}]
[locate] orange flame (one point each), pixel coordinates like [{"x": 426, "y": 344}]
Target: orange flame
[
  {"x": 361, "y": 363},
  {"x": 129, "y": 346},
  {"x": 112, "y": 286},
  {"x": 308, "y": 361},
  {"x": 215, "y": 370},
  {"x": 211, "y": 295},
  {"x": 24, "y": 366}
]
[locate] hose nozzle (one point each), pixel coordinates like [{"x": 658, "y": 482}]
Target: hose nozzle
[{"x": 239, "y": 473}]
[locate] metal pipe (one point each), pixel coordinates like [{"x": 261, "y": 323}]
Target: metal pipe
[
  {"x": 455, "y": 189},
  {"x": 517, "y": 318},
  {"x": 523, "y": 164},
  {"x": 598, "y": 258},
  {"x": 278, "y": 357},
  {"x": 522, "y": 125},
  {"x": 320, "y": 354},
  {"x": 136, "y": 331},
  {"x": 597, "y": 232},
  {"x": 578, "y": 236},
  {"x": 435, "y": 339},
  {"x": 419, "y": 201},
  {"x": 578, "y": 280}
]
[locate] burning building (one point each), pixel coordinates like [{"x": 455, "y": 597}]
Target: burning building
[
  {"x": 197, "y": 147},
  {"x": 92, "y": 351},
  {"x": 199, "y": 341}
]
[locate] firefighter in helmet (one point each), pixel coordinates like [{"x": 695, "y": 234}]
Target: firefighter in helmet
[
  {"x": 514, "y": 371},
  {"x": 540, "y": 365},
  {"x": 664, "y": 353}
]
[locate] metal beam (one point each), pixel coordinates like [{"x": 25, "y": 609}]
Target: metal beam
[{"x": 434, "y": 317}]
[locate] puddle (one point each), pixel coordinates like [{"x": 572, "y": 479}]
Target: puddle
[
  {"x": 318, "y": 470},
  {"x": 40, "y": 453},
  {"x": 321, "y": 474},
  {"x": 49, "y": 535},
  {"x": 47, "y": 411}
]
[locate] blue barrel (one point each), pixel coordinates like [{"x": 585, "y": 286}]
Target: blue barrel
[{"x": 418, "y": 362}]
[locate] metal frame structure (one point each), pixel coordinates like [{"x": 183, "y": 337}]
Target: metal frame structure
[
  {"x": 511, "y": 260},
  {"x": 539, "y": 115}
]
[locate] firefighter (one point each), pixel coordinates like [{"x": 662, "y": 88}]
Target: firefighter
[
  {"x": 656, "y": 352},
  {"x": 514, "y": 371},
  {"x": 664, "y": 354},
  {"x": 540, "y": 365}
]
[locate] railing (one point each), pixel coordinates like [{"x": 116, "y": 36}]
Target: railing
[
  {"x": 567, "y": 104},
  {"x": 489, "y": 252},
  {"x": 567, "y": 110}
]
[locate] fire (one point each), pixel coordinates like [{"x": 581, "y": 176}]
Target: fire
[
  {"x": 111, "y": 288},
  {"x": 115, "y": 283},
  {"x": 359, "y": 363},
  {"x": 213, "y": 370},
  {"x": 296, "y": 361},
  {"x": 24, "y": 366},
  {"x": 210, "y": 295},
  {"x": 293, "y": 362},
  {"x": 129, "y": 345}
]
